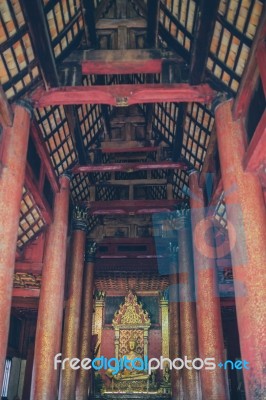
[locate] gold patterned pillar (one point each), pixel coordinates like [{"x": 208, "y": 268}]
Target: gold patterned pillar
[
  {"x": 73, "y": 304},
  {"x": 187, "y": 305},
  {"x": 50, "y": 311},
  {"x": 209, "y": 321},
  {"x": 246, "y": 220},
  {"x": 14, "y": 142},
  {"x": 174, "y": 322},
  {"x": 164, "y": 324},
  {"x": 98, "y": 316},
  {"x": 83, "y": 377}
]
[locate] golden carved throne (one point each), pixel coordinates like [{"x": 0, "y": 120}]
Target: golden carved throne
[{"x": 131, "y": 322}]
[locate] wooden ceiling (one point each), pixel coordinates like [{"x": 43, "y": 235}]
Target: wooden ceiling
[{"x": 41, "y": 45}]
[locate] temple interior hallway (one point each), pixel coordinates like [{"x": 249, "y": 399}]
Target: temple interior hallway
[{"x": 132, "y": 199}]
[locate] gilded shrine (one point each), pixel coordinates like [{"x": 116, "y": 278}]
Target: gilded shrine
[{"x": 132, "y": 197}]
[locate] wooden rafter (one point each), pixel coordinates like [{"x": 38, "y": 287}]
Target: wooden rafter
[
  {"x": 43, "y": 49},
  {"x": 153, "y": 8},
  {"x": 129, "y": 207},
  {"x": 129, "y": 167},
  {"x": 202, "y": 40},
  {"x": 209, "y": 161},
  {"x": 40, "y": 201},
  {"x": 123, "y": 95},
  {"x": 44, "y": 156},
  {"x": 38, "y": 27},
  {"x": 134, "y": 182},
  {"x": 251, "y": 72},
  {"x": 101, "y": 7},
  {"x": 72, "y": 119},
  {"x": 90, "y": 23},
  {"x": 179, "y": 131},
  {"x": 113, "y": 62}
]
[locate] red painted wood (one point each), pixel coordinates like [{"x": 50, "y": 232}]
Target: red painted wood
[
  {"x": 251, "y": 72},
  {"x": 130, "y": 207},
  {"x": 123, "y": 95},
  {"x": 14, "y": 150},
  {"x": 210, "y": 334},
  {"x": 29, "y": 303},
  {"x": 41, "y": 202},
  {"x": 130, "y": 149},
  {"x": 33, "y": 252},
  {"x": 29, "y": 267},
  {"x": 22, "y": 292},
  {"x": 129, "y": 167},
  {"x": 121, "y": 67},
  {"x": 245, "y": 210},
  {"x": 261, "y": 58},
  {"x": 50, "y": 315},
  {"x": 44, "y": 155},
  {"x": 255, "y": 156},
  {"x": 217, "y": 193}
]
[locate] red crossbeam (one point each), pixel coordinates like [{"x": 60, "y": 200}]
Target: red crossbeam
[
  {"x": 23, "y": 292},
  {"x": 123, "y": 95},
  {"x": 121, "y": 67},
  {"x": 130, "y": 207},
  {"x": 128, "y": 167},
  {"x": 130, "y": 149}
]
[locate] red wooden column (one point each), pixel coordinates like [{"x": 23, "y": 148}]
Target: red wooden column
[
  {"x": 246, "y": 218},
  {"x": 187, "y": 305},
  {"x": 12, "y": 172},
  {"x": 174, "y": 323},
  {"x": 70, "y": 348},
  {"x": 210, "y": 335},
  {"x": 85, "y": 351},
  {"x": 50, "y": 313}
]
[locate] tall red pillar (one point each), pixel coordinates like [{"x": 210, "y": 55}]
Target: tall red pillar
[
  {"x": 246, "y": 218},
  {"x": 174, "y": 323},
  {"x": 12, "y": 172},
  {"x": 210, "y": 335},
  {"x": 50, "y": 312},
  {"x": 187, "y": 305},
  {"x": 83, "y": 378},
  {"x": 70, "y": 348}
]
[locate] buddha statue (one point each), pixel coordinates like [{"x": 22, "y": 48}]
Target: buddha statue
[{"x": 129, "y": 372}]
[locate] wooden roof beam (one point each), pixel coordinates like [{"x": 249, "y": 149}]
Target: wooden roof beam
[
  {"x": 123, "y": 95},
  {"x": 23, "y": 292},
  {"x": 128, "y": 61},
  {"x": 90, "y": 23},
  {"x": 101, "y": 8},
  {"x": 38, "y": 28},
  {"x": 134, "y": 182},
  {"x": 179, "y": 131},
  {"x": 44, "y": 155},
  {"x": 128, "y": 167},
  {"x": 153, "y": 8},
  {"x": 202, "y": 40},
  {"x": 124, "y": 149},
  {"x": 41, "y": 40},
  {"x": 129, "y": 207},
  {"x": 209, "y": 161},
  {"x": 74, "y": 126},
  {"x": 41, "y": 203},
  {"x": 251, "y": 71}
]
